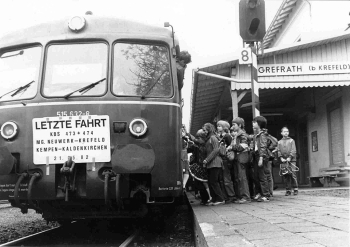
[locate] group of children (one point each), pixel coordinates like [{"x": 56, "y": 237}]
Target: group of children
[{"x": 247, "y": 176}]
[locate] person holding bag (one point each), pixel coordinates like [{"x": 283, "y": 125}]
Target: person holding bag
[
  {"x": 239, "y": 144},
  {"x": 287, "y": 155}
]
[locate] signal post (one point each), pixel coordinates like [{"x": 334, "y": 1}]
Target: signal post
[
  {"x": 255, "y": 85},
  {"x": 252, "y": 30}
]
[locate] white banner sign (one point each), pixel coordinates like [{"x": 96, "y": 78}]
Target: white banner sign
[
  {"x": 84, "y": 138},
  {"x": 304, "y": 68}
]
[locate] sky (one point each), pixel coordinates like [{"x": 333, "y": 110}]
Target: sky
[{"x": 208, "y": 29}]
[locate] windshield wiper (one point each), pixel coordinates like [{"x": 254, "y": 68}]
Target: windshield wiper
[
  {"x": 17, "y": 90},
  {"x": 11, "y": 54},
  {"x": 85, "y": 89}
]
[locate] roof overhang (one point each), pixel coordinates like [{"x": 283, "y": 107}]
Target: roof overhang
[{"x": 209, "y": 92}]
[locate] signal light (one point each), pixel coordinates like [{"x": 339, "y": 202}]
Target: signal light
[{"x": 252, "y": 20}]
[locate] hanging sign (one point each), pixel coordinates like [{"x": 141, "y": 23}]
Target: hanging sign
[{"x": 304, "y": 68}]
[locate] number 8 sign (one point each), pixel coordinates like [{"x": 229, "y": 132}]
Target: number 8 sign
[{"x": 245, "y": 57}]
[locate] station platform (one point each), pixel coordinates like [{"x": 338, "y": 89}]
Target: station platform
[{"x": 301, "y": 220}]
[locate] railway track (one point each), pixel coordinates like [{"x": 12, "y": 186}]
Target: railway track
[
  {"x": 22, "y": 241},
  {"x": 77, "y": 234}
]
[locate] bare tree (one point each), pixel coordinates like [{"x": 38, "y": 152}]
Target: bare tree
[{"x": 151, "y": 69}]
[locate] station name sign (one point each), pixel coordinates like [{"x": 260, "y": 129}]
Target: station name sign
[
  {"x": 304, "y": 68},
  {"x": 84, "y": 138}
]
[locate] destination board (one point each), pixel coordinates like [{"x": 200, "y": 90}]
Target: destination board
[{"x": 84, "y": 138}]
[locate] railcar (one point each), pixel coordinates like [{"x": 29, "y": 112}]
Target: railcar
[{"x": 90, "y": 116}]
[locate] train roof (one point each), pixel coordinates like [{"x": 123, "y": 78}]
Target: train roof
[{"x": 58, "y": 29}]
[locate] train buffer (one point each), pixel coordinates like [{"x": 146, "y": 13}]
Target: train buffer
[{"x": 331, "y": 176}]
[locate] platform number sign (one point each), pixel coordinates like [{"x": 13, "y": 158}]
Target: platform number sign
[{"x": 245, "y": 56}]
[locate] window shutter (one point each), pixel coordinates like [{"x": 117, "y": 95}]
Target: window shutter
[{"x": 336, "y": 138}]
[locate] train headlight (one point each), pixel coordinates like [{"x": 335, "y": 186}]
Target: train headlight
[
  {"x": 9, "y": 130},
  {"x": 138, "y": 127},
  {"x": 77, "y": 23}
]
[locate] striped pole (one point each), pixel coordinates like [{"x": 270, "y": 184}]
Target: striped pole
[{"x": 255, "y": 85}]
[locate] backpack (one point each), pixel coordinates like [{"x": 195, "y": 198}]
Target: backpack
[
  {"x": 273, "y": 142},
  {"x": 222, "y": 147},
  {"x": 271, "y": 146}
]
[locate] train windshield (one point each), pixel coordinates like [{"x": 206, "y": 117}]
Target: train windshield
[
  {"x": 142, "y": 70},
  {"x": 70, "y": 67},
  {"x": 19, "y": 73}
]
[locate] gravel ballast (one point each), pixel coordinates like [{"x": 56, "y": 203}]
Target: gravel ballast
[{"x": 14, "y": 224}]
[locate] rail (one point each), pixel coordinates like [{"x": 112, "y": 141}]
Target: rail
[{"x": 20, "y": 241}]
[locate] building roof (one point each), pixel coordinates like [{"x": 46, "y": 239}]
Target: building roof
[
  {"x": 281, "y": 16},
  {"x": 209, "y": 94},
  {"x": 330, "y": 38}
]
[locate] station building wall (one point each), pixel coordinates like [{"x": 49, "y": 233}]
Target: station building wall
[{"x": 319, "y": 122}]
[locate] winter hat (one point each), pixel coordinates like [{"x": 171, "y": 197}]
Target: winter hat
[
  {"x": 239, "y": 121},
  {"x": 225, "y": 125}
]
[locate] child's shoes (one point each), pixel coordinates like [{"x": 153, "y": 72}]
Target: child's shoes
[{"x": 288, "y": 193}]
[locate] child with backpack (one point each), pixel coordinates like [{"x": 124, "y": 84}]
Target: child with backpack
[
  {"x": 240, "y": 145},
  {"x": 272, "y": 143},
  {"x": 287, "y": 155}
]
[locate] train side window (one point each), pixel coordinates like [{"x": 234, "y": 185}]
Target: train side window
[
  {"x": 141, "y": 70},
  {"x": 70, "y": 67},
  {"x": 19, "y": 73}
]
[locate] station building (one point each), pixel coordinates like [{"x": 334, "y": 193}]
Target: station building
[{"x": 304, "y": 85}]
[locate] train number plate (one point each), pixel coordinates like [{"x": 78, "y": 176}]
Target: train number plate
[{"x": 84, "y": 138}]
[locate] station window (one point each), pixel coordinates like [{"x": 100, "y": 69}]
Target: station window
[
  {"x": 142, "y": 70},
  {"x": 19, "y": 73},
  {"x": 71, "y": 67}
]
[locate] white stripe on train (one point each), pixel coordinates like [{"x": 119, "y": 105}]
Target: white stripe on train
[{"x": 91, "y": 103}]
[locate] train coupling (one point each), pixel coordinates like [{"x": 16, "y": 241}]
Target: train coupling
[
  {"x": 141, "y": 191},
  {"x": 69, "y": 174},
  {"x": 108, "y": 175}
]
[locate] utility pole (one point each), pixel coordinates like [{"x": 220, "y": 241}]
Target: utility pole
[{"x": 254, "y": 83}]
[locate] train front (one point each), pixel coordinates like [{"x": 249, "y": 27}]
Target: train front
[{"x": 90, "y": 124}]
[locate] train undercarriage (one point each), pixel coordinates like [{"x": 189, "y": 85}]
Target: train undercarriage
[{"x": 78, "y": 196}]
